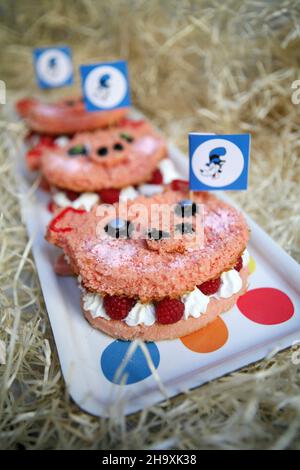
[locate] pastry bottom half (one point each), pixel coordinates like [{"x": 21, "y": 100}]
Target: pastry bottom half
[{"x": 157, "y": 332}]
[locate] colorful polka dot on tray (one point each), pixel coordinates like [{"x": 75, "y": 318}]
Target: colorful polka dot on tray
[
  {"x": 117, "y": 369},
  {"x": 251, "y": 265},
  {"x": 266, "y": 306},
  {"x": 208, "y": 339}
]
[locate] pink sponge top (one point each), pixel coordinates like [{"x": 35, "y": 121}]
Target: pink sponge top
[
  {"x": 135, "y": 267},
  {"x": 113, "y": 158},
  {"x": 65, "y": 116}
]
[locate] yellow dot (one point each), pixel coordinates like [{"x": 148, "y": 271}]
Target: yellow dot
[{"x": 251, "y": 265}]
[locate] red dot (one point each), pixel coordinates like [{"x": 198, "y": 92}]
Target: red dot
[{"x": 266, "y": 306}]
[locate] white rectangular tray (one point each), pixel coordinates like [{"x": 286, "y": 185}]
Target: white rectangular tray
[{"x": 80, "y": 347}]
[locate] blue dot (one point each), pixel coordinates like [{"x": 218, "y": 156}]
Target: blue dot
[{"x": 136, "y": 369}]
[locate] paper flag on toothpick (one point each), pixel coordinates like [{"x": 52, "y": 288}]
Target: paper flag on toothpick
[
  {"x": 53, "y": 66},
  {"x": 105, "y": 86},
  {"x": 219, "y": 162}
]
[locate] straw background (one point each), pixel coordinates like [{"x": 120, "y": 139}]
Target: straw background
[{"x": 213, "y": 66}]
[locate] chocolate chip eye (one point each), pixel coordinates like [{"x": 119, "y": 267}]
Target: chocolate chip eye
[
  {"x": 79, "y": 149},
  {"x": 184, "y": 228},
  {"x": 102, "y": 151},
  {"x": 155, "y": 234},
  {"x": 186, "y": 208},
  {"x": 127, "y": 137},
  {"x": 70, "y": 102},
  {"x": 118, "y": 146},
  {"x": 119, "y": 228}
]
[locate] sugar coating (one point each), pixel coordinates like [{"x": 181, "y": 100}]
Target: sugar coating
[
  {"x": 132, "y": 165},
  {"x": 129, "y": 267}
]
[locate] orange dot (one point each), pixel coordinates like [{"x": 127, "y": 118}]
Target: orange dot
[{"x": 207, "y": 339}]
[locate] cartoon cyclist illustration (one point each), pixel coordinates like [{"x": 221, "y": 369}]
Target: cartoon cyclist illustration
[
  {"x": 213, "y": 168},
  {"x": 103, "y": 89},
  {"x": 52, "y": 65}
]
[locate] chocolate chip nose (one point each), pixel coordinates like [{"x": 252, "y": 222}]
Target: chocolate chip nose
[
  {"x": 118, "y": 147},
  {"x": 102, "y": 151},
  {"x": 155, "y": 234}
]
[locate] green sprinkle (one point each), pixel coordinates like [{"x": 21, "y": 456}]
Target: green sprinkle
[
  {"x": 126, "y": 137},
  {"x": 78, "y": 150}
]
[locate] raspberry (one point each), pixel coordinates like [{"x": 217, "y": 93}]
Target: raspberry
[
  {"x": 210, "y": 287},
  {"x": 239, "y": 264},
  {"x": 156, "y": 177},
  {"x": 180, "y": 185},
  {"x": 109, "y": 196},
  {"x": 169, "y": 311},
  {"x": 46, "y": 141},
  {"x": 51, "y": 206},
  {"x": 72, "y": 195},
  {"x": 117, "y": 307}
]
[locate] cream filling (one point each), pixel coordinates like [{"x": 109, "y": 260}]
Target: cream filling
[
  {"x": 141, "y": 314},
  {"x": 245, "y": 258},
  {"x": 195, "y": 302},
  {"x": 128, "y": 194},
  {"x": 94, "y": 304},
  {"x": 150, "y": 189},
  {"x": 85, "y": 200},
  {"x": 231, "y": 283},
  {"x": 62, "y": 141},
  {"x": 168, "y": 171}
]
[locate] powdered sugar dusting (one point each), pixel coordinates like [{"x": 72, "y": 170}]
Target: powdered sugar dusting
[
  {"x": 220, "y": 220},
  {"x": 115, "y": 254}
]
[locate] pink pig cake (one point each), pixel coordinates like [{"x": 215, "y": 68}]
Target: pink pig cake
[
  {"x": 159, "y": 286},
  {"x": 106, "y": 165},
  {"x": 66, "y": 116},
  {"x": 89, "y": 157}
]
